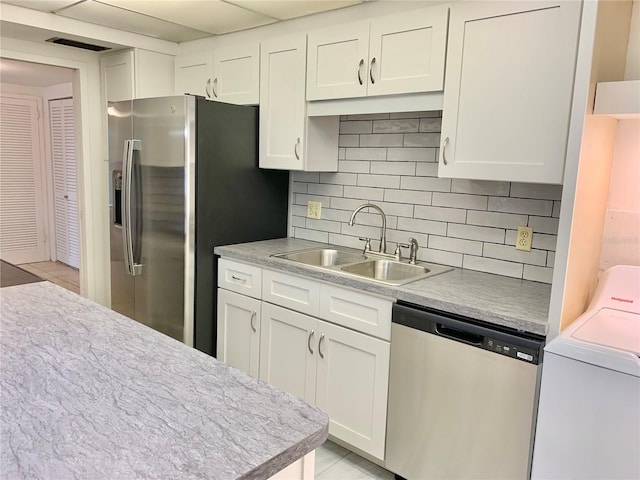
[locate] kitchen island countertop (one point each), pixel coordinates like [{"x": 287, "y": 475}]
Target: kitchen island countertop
[
  {"x": 509, "y": 302},
  {"x": 89, "y": 393}
]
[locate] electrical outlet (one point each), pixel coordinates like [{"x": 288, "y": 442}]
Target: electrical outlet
[
  {"x": 524, "y": 238},
  {"x": 314, "y": 210}
]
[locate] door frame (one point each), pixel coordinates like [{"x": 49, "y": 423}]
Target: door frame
[{"x": 90, "y": 149}]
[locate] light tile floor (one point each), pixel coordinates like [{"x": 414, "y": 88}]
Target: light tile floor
[
  {"x": 55, "y": 272},
  {"x": 336, "y": 463}
]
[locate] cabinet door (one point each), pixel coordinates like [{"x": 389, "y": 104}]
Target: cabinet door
[
  {"x": 352, "y": 386},
  {"x": 154, "y": 74},
  {"x": 193, "y": 74},
  {"x": 507, "y": 96},
  {"x": 407, "y": 52},
  {"x": 117, "y": 76},
  {"x": 282, "y": 102},
  {"x": 288, "y": 349},
  {"x": 239, "y": 331},
  {"x": 236, "y": 74},
  {"x": 337, "y": 60}
]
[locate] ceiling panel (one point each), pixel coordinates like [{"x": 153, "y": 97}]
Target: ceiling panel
[
  {"x": 42, "y": 5},
  {"x": 286, "y": 9},
  {"x": 110, "y": 16},
  {"x": 212, "y": 16}
]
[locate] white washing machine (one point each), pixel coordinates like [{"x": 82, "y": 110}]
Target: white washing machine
[{"x": 589, "y": 412}]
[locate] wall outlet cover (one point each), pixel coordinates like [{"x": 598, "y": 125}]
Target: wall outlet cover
[
  {"x": 314, "y": 210},
  {"x": 524, "y": 238}
]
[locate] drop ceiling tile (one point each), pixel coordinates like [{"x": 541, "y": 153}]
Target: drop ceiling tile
[
  {"x": 110, "y": 16},
  {"x": 211, "y": 16},
  {"x": 42, "y": 5},
  {"x": 286, "y": 9}
]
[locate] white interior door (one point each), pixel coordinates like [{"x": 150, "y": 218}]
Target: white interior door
[
  {"x": 64, "y": 181},
  {"x": 22, "y": 219}
]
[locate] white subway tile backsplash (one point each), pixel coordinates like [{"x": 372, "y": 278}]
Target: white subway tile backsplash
[
  {"x": 401, "y": 125},
  {"x": 365, "y": 193},
  {"x": 381, "y": 181},
  {"x": 362, "y": 126},
  {"x": 325, "y": 189},
  {"x": 339, "y": 178},
  {"x": 348, "y": 166},
  {"x": 493, "y": 219},
  {"x": 411, "y": 155},
  {"x": 391, "y": 160},
  {"x": 423, "y": 226},
  {"x": 442, "y": 257},
  {"x": 480, "y": 187},
  {"x": 381, "y": 140},
  {"x": 455, "y": 245},
  {"x": 491, "y": 265},
  {"x": 521, "y": 205},
  {"x": 412, "y": 197},
  {"x": 544, "y": 224},
  {"x": 426, "y": 169},
  {"x": 366, "y": 154},
  {"x": 472, "y": 232},
  {"x": 349, "y": 141},
  {"x": 422, "y": 140},
  {"x": 426, "y": 183},
  {"x": 538, "y": 274},
  {"x": 508, "y": 252},
  {"x": 430, "y": 125},
  {"x": 441, "y": 214},
  {"x": 393, "y": 168},
  {"x": 536, "y": 190},
  {"x": 460, "y": 200}
]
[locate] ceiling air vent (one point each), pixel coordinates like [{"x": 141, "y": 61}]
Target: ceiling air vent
[{"x": 77, "y": 44}]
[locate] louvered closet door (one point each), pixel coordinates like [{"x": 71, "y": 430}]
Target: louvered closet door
[
  {"x": 22, "y": 238},
  {"x": 64, "y": 181}
]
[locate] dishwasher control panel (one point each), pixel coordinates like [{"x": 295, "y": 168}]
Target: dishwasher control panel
[{"x": 519, "y": 352}]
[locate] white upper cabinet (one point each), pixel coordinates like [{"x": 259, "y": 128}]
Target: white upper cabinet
[
  {"x": 508, "y": 90},
  {"x": 193, "y": 74},
  {"x": 229, "y": 74},
  {"x": 290, "y": 140},
  {"x": 136, "y": 73},
  {"x": 236, "y": 74},
  {"x": 394, "y": 54}
]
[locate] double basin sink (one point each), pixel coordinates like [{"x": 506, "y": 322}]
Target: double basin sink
[{"x": 390, "y": 272}]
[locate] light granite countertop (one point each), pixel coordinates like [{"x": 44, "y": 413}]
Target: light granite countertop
[
  {"x": 509, "y": 302},
  {"x": 87, "y": 393}
]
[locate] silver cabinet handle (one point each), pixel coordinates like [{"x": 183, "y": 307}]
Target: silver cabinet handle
[
  {"x": 360, "y": 70},
  {"x": 253, "y": 317},
  {"x": 311, "y": 334},
  {"x": 373, "y": 62},
  {"x": 320, "y": 345},
  {"x": 208, "y": 88},
  {"x": 295, "y": 149},
  {"x": 444, "y": 151},
  {"x": 238, "y": 279},
  {"x": 215, "y": 85}
]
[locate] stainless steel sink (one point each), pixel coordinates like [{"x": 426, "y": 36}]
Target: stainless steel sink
[
  {"x": 390, "y": 272},
  {"x": 324, "y": 257}
]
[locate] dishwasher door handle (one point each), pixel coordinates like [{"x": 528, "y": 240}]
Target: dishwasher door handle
[{"x": 459, "y": 335}]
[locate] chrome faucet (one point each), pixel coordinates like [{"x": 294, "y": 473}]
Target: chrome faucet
[{"x": 383, "y": 233}]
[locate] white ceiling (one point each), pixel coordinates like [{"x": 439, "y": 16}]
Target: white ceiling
[
  {"x": 183, "y": 20},
  {"x": 33, "y": 74}
]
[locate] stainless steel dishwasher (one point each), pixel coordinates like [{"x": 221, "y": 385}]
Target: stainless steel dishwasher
[{"x": 462, "y": 397}]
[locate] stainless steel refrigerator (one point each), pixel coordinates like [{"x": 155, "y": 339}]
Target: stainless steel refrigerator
[{"x": 184, "y": 178}]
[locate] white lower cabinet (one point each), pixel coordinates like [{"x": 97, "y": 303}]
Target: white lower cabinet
[
  {"x": 238, "y": 342},
  {"x": 344, "y": 373}
]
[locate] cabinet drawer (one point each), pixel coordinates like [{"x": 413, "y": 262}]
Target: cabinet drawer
[
  {"x": 240, "y": 278},
  {"x": 290, "y": 291},
  {"x": 359, "y": 311}
]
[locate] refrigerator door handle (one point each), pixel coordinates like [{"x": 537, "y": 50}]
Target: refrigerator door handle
[{"x": 131, "y": 266}]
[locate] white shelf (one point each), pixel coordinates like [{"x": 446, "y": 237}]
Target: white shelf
[{"x": 618, "y": 99}]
